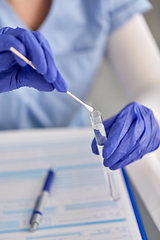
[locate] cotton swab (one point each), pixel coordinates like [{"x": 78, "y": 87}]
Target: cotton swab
[
  {"x": 84, "y": 104},
  {"x": 12, "y": 49}
]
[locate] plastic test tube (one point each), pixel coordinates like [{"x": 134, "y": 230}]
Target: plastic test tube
[{"x": 100, "y": 136}]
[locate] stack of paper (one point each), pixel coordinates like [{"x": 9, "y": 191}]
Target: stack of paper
[{"x": 79, "y": 206}]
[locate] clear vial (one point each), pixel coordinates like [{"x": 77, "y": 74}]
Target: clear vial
[{"x": 100, "y": 136}]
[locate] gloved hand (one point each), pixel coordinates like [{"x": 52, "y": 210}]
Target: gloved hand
[
  {"x": 131, "y": 134},
  {"x": 15, "y": 73}
]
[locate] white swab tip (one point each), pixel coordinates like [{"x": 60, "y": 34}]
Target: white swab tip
[{"x": 89, "y": 108}]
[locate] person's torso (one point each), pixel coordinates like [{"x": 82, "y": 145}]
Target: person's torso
[{"x": 77, "y": 32}]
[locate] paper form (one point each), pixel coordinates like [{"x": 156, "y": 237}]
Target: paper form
[{"x": 79, "y": 205}]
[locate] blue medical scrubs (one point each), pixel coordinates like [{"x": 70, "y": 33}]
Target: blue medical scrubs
[{"x": 77, "y": 31}]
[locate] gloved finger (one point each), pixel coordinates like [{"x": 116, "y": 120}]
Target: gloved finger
[
  {"x": 155, "y": 137},
  {"x": 20, "y": 79},
  {"x": 34, "y": 51},
  {"x": 25, "y": 78},
  {"x": 119, "y": 129},
  {"x": 52, "y": 75},
  {"x": 119, "y": 165},
  {"x": 125, "y": 145},
  {"x": 6, "y": 61},
  {"x": 109, "y": 122},
  {"x": 137, "y": 152},
  {"x": 4, "y": 30},
  {"x": 6, "y": 84},
  {"x": 51, "y": 71},
  {"x": 6, "y": 42},
  {"x": 94, "y": 147},
  {"x": 134, "y": 154}
]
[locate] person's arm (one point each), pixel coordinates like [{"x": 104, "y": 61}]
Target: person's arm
[{"x": 135, "y": 58}]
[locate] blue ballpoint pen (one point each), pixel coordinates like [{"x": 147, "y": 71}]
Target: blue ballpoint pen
[{"x": 38, "y": 210}]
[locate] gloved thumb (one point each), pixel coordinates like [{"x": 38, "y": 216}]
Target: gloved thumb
[
  {"x": 59, "y": 83},
  {"x": 94, "y": 147}
]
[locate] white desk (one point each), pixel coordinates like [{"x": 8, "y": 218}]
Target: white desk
[{"x": 145, "y": 177}]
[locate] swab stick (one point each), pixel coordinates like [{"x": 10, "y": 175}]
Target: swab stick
[{"x": 12, "y": 49}]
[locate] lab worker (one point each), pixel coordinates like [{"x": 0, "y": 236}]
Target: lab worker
[{"x": 66, "y": 41}]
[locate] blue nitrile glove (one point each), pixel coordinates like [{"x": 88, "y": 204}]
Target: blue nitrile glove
[
  {"x": 131, "y": 134},
  {"x": 15, "y": 73}
]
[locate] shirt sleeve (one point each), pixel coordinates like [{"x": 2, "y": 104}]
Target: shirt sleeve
[{"x": 122, "y": 10}]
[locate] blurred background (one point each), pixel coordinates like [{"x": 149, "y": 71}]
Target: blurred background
[{"x": 112, "y": 93}]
